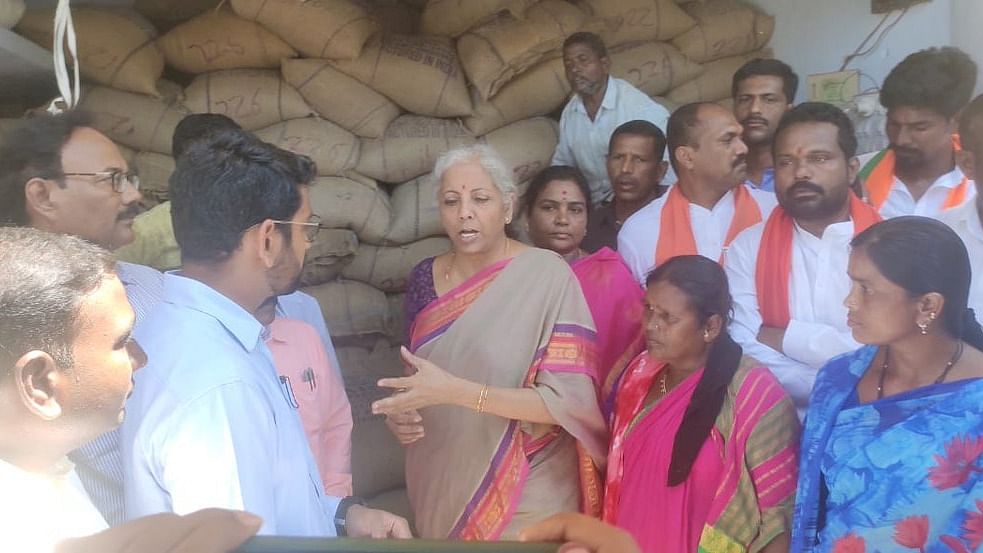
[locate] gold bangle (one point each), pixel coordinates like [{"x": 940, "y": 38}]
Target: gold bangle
[{"x": 482, "y": 396}]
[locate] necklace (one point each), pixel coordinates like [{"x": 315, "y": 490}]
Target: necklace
[
  {"x": 662, "y": 383},
  {"x": 945, "y": 371},
  {"x": 450, "y": 266}
]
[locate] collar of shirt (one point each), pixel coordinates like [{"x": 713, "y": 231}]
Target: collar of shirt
[
  {"x": 949, "y": 180},
  {"x": 767, "y": 181},
  {"x": 967, "y": 218},
  {"x": 610, "y": 100},
  {"x": 192, "y": 294},
  {"x": 832, "y": 232},
  {"x": 606, "y": 216}
]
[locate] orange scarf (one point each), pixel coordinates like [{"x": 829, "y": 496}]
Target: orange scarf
[
  {"x": 774, "y": 263},
  {"x": 880, "y": 179},
  {"x": 676, "y": 231}
]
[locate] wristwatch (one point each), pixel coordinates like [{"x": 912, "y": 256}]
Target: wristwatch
[{"x": 341, "y": 514}]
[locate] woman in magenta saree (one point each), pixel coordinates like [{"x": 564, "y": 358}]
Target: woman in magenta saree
[
  {"x": 704, "y": 444},
  {"x": 557, "y": 208},
  {"x": 500, "y": 416}
]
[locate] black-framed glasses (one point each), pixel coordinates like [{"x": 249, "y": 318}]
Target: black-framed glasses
[
  {"x": 311, "y": 227},
  {"x": 117, "y": 177}
]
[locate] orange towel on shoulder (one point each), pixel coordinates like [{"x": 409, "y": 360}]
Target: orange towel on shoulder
[
  {"x": 676, "y": 230},
  {"x": 774, "y": 263},
  {"x": 880, "y": 179}
]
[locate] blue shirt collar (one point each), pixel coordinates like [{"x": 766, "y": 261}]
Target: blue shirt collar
[{"x": 193, "y": 294}]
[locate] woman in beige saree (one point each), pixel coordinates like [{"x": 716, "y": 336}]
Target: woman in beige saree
[{"x": 500, "y": 414}]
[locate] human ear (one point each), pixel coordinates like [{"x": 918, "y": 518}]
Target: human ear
[
  {"x": 930, "y": 308},
  {"x": 713, "y": 327},
  {"x": 38, "y": 381},
  {"x": 38, "y": 202},
  {"x": 852, "y": 168},
  {"x": 269, "y": 242},
  {"x": 684, "y": 156}
]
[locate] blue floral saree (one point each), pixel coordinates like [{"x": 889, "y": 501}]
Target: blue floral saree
[{"x": 903, "y": 473}]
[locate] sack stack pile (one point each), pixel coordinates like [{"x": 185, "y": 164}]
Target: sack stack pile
[{"x": 374, "y": 91}]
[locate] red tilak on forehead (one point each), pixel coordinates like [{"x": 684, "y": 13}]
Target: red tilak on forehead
[{"x": 563, "y": 193}]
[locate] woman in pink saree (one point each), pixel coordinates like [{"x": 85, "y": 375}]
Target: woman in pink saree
[
  {"x": 557, "y": 206},
  {"x": 704, "y": 444},
  {"x": 500, "y": 414}
]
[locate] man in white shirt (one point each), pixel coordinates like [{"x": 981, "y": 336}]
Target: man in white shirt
[
  {"x": 965, "y": 219},
  {"x": 599, "y": 104},
  {"x": 710, "y": 204},
  {"x": 66, "y": 366},
  {"x": 788, "y": 275},
  {"x": 763, "y": 90},
  {"x": 917, "y": 174},
  {"x": 210, "y": 422}
]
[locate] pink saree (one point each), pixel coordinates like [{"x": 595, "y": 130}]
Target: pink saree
[
  {"x": 615, "y": 300},
  {"x": 740, "y": 491},
  {"x": 519, "y": 323}
]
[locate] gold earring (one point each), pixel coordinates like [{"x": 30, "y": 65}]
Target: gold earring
[{"x": 923, "y": 327}]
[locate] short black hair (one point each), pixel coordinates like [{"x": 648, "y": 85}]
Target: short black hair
[
  {"x": 43, "y": 279},
  {"x": 679, "y": 129},
  {"x": 591, "y": 40},
  {"x": 550, "y": 174},
  {"x": 821, "y": 112},
  {"x": 33, "y": 149},
  {"x": 769, "y": 68},
  {"x": 940, "y": 79},
  {"x": 198, "y": 126},
  {"x": 227, "y": 183},
  {"x": 971, "y": 126},
  {"x": 641, "y": 127}
]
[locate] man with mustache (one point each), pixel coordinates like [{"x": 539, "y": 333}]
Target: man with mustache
[
  {"x": 635, "y": 169},
  {"x": 788, "y": 275},
  {"x": 966, "y": 219},
  {"x": 763, "y": 90},
  {"x": 708, "y": 206},
  {"x": 917, "y": 174},
  {"x": 59, "y": 174},
  {"x": 599, "y": 104},
  {"x": 210, "y": 423}
]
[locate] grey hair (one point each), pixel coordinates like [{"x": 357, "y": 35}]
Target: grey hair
[{"x": 487, "y": 158}]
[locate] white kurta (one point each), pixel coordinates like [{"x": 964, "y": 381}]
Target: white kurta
[
  {"x": 639, "y": 236},
  {"x": 818, "y": 285},
  {"x": 40, "y": 510},
  {"x": 900, "y": 201},
  {"x": 965, "y": 220}
]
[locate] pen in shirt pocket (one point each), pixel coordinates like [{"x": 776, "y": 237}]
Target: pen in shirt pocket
[{"x": 309, "y": 377}]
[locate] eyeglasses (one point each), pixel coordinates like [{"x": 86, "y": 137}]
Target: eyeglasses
[
  {"x": 312, "y": 227},
  {"x": 119, "y": 178}
]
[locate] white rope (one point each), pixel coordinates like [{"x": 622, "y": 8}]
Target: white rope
[{"x": 64, "y": 37}]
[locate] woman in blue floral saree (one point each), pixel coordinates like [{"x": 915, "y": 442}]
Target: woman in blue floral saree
[{"x": 892, "y": 449}]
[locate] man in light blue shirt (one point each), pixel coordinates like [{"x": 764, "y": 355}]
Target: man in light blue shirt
[
  {"x": 600, "y": 104},
  {"x": 297, "y": 305},
  {"x": 209, "y": 423},
  {"x": 763, "y": 91}
]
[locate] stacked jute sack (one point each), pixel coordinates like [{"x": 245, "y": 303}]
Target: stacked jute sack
[{"x": 374, "y": 91}]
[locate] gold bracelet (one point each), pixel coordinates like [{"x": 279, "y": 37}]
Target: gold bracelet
[{"x": 482, "y": 396}]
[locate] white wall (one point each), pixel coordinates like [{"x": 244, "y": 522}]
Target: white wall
[
  {"x": 967, "y": 32},
  {"x": 813, "y": 36}
]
